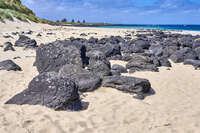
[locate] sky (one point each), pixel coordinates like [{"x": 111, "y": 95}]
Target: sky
[{"x": 119, "y": 11}]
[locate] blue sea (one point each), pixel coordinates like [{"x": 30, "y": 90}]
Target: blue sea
[{"x": 161, "y": 27}]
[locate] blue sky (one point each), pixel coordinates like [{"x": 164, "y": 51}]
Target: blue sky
[{"x": 119, "y": 11}]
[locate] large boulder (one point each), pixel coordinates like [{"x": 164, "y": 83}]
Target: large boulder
[
  {"x": 52, "y": 56},
  {"x": 98, "y": 63},
  {"x": 85, "y": 80},
  {"x": 111, "y": 50},
  {"x": 9, "y": 65},
  {"x": 138, "y": 46},
  {"x": 127, "y": 84},
  {"x": 135, "y": 49},
  {"x": 142, "y": 43},
  {"x": 182, "y": 54},
  {"x": 26, "y": 42},
  {"x": 141, "y": 63},
  {"x": 108, "y": 49},
  {"x": 196, "y": 44},
  {"x": 186, "y": 41},
  {"x": 170, "y": 42},
  {"x": 177, "y": 57},
  {"x": 169, "y": 50},
  {"x": 156, "y": 50},
  {"x": 50, "y": 90}
]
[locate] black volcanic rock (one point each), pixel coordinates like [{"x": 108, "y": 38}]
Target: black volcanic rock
[
  {"x": 169, "y": 50},
  {"x": 141, "y": 63},
  {"x": 26, "y": 42},
  {"x": 50, "y": 90},
  {"x": 195, "y": 63},
  {"x": 38, "y": 35},
  {"x": 83, "y": 34},
  {"x": 9, "y": 65},
  {"x": 115, "y": 72},
  {"x": 98, "y": 63},
  {"x": 120, "y": 68},
  {"x": 186, "y": 41},
  {"x": 93, "y": 40},
  {"x": 182, "y": 54},
  {"x": 156, "y": 50},
  {"x": 53, "y": 56},
  {"x": 109, "y": 49},
  {"x": 197, "y": 51},
  {"x": 127, "y": 84},
  {"x": 71, "y": 70},
  {"x": 196, "y": 44},
  {"x": 85, "y": 80},
  {"x": 8, "y": 46},
  {"x": 138, "y": 46}
]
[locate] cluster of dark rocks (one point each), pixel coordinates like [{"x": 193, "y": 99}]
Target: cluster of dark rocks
[
  {"x": 23, "y": 41},
  {"x": 68, "y": 68}
]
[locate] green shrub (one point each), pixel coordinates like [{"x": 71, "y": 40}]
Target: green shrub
[{"x": 14, "y": 8}]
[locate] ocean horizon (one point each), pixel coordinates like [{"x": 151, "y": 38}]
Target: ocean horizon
[{"x": 179, "y": 27}]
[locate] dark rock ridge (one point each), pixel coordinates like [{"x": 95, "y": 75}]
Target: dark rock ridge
[
  {"x": 9, "y": 65},
  {"x": 128, "y": 84},
  {"x": 51, "y": 90}
]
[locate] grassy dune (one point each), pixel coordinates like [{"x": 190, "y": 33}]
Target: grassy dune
[
  {"x": 10, "y": 9},
  {"x": 14, "y": 8}
]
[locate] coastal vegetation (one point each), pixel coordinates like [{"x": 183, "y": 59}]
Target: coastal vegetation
[
  {"x": 14, "y": 8},
  {"x": 10, "y": 9}
]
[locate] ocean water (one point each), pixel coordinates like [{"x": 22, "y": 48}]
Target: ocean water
[{"x": 161, "y": 27}]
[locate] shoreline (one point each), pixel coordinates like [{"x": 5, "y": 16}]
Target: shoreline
[{"x": 19, "y": 26}]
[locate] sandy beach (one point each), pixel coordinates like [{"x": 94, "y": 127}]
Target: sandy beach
[{"x": 175, "y": 108}]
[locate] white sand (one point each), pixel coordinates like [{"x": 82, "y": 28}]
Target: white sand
[{"x": 175, "y": 108}]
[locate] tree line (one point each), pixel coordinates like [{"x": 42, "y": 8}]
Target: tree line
[{"x": 64, "y": 20}]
